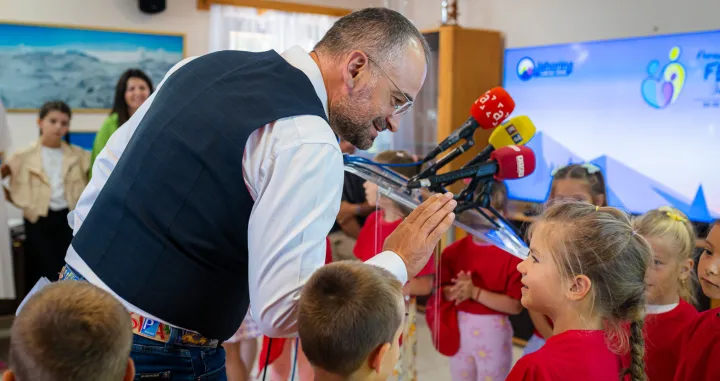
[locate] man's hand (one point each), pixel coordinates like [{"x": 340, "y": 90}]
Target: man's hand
[{"x": 416, "y": 237}]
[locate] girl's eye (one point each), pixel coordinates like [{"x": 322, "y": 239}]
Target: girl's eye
[
  {"x": 657, "y": 263},
  {"x": 535, "y": 260},
  {"x": 707, "y": 252}
]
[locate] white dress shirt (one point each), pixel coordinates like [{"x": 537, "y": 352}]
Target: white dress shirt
[{"x": 293, "y": 169}]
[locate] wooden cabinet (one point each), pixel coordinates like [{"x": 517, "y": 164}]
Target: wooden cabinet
[{"x": 466, "y": 63}]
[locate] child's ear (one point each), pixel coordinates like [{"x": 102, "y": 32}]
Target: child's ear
[
  {"x": 8, "y": 376},
  {"x": 686, "y": 269},
  {"x": 579, "y": 287},
  {"x": 130, "y": 371},
  {"x": 375, "y": 361}
]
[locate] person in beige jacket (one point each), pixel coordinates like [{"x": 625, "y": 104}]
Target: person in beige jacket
[{"x": 46, "y": 181}]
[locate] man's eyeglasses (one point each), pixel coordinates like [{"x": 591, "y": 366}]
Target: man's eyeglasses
[{"x": 399, "y": 109}]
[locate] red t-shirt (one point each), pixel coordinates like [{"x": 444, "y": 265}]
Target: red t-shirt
[
  {"x": 372, "y": 238},
  {"x": 493, "y": 269},
  {"x": 663, "y": 335},
  {"x": 569, "y": 356},
  {"x": 700, "y": 350}
]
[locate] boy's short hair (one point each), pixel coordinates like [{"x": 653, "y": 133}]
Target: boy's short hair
[
  {"x": 347, "y": 310},
  {"x": 71, "y": 330}
]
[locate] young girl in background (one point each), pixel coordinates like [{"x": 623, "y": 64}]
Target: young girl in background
[
  {"x": 585, "y": 270},
  {"x": 577, "y": 182},
  {"x": 700, "y": 349},
  {"x": 484, "y": 283},
  {"x": 46, "y": 181},
  {"x": 376, "y": 229},
  {"x": 132, "y": 90},
  {"x": 278, "y": 353},
  {"x": 669, "y": 288}
]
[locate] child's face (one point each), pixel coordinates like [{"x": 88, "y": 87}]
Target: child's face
[
  {"x": 665, "y": 273},
  {"x": 371, "y": 192},
  {"x": 709, "y": 264},
  {"x": 374, "y": 198},
  {"x": 54, "y": 127},
  {"x": 542, "y": 287},
  {"x": 571, "y": 190}
]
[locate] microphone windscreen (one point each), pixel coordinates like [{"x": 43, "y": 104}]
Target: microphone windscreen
[
  {"x": 516, "y": 131},
  {"x": 514, "y": 162},
  {"x": 492, "y": 108}
]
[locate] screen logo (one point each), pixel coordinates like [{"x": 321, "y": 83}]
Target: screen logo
[
  {"x": 663, "y": 86},
  {"x": 528, "y": 68}
]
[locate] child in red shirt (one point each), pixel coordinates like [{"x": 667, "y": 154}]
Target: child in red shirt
[
  {"x": 483, "y": 281},
  {"x": 578, "y": 182},
  {"x": 376, "y": 229},
  {"x": 700, "y": 349},
  {"x": 586, "y": 271},
  {"x": 669, "y": 289}
]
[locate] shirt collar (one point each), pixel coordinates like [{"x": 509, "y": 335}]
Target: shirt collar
[{"x": 301, "y": 59}]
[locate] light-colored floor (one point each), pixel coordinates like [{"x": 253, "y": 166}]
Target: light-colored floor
[{"x": 431, "y": 365}]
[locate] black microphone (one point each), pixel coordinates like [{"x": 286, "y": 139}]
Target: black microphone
[
  {"x": 479, "y": 170},
  {"x": 506, "y": 163}
]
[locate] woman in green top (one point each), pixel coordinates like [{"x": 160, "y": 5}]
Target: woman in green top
[{"x": 132, "y": 89}]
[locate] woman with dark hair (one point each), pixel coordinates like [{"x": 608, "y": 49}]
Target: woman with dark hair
[{"x": 132, "y": 89}]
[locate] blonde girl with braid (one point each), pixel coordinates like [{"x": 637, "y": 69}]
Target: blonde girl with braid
[{"x": 586, "y": 271}]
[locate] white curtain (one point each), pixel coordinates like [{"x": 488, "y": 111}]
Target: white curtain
[{"x": 250, "y": 29}]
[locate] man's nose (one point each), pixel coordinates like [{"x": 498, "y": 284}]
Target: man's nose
[{"x": 393, "y": 122}]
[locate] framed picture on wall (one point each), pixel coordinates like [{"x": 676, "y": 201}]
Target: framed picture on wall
[{"x": 77, "y": 65}]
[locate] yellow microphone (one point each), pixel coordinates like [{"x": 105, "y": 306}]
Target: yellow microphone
[{"x": 516, "y": 131}]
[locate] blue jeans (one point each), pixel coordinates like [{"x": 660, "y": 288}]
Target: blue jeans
[{"x": 166, "y": 361}]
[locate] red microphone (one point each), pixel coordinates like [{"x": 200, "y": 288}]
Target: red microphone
[
  {"x": 506, "y": 163},
  {"x": 487, "y": 112},
  {"x": 514, "y": 162},
  {"x": 492, "y": 108}
]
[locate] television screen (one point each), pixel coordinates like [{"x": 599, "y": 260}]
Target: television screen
[{"x": 645, "y": 110}]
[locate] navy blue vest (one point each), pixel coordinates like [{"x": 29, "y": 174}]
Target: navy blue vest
[{"x": 169, "y": 230}]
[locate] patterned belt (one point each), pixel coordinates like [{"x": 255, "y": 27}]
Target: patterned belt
[{"x": 153, "y": 329}]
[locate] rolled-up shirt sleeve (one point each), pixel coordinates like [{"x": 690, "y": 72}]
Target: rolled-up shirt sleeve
[{"x": 297, "y": 201}]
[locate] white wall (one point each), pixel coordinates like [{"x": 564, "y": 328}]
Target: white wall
[{"x": 540, "y": 22}]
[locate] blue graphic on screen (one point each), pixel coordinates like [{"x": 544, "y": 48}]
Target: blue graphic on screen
[{"x": 645, "y": 110}]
